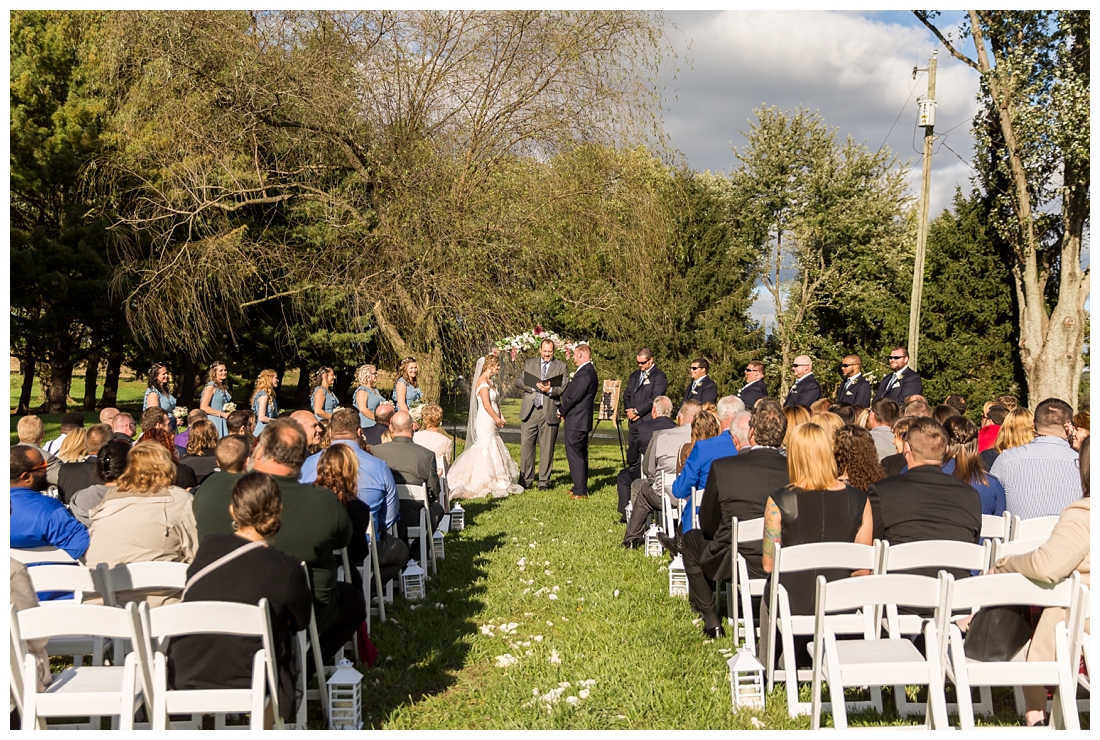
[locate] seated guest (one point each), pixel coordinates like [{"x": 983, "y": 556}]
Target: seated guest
[
  {"x": 314, "y": 526},
  {"x": 703, "y": 426},
  {"x": 1017, "y": 430},
  {"x": 828, "y": 421},
  {"x": 232, "y": 454},
  {"x": 1009, "y": 401},
  {"x": 739, "y": 487},
  {"x": 820, "y": 406},
  {"x": 895, "y": 464},
  {"x": 75, "y": 476},
  {"x": 411, "y": 465},
  {"x": 660, "y": 458},
  {"x": 816, "y": 506},
  {"x": 75, "y": 447},
  {"x": 706, "y": 451},
  {"x": 193, "y": 416},
  {"x": 1080, "y": 428},
  {"x": 69, "y": 422},
  {"x": 926, "y": 503},
  {"x": 145, "y": 517},
  {"x": 957, "y": 402},
  {"x": 847, "y": 413},
  {"x": 31, "y": 430},
  {"x": 200, "y": 449},
  {"x": 856, "y": 458},
  {"x": 241, "y": 422},
  {"x": 966, "y": 465},
  {"x": 124, "y": 427},
  {"x": 110, "y": 465},
  {"x": 380, "y": 432},
  {"x": 431, "y": 435},
  {"x": 185, "y": 476},
  {"x": 106, "y": 414},
  {"x": 338, "y": 470},
  {"x": 992, "y": 418},
  {"x": 918, "y": 407},
  {"x": 1041, "y": 477},
  {"x": 880, "y": 421},
  {"x": 1066, "y": 550},
  {"x": 943, "y": 412},
  {"x": 250, "y": 569},
  {"x": 796, "y": 417},
  {"x": 38, "y": 520},
  {"x": 657, "y": 420},
  {"x": 307, "y": 420}
]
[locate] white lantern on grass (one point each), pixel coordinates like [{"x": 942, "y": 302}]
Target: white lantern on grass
[
  {"x": 653, "y": 547},
  {"x": 437, "y": 544},
  {"x": 677, "y": 578},
  {"x": 412, "y": 581},
  {"x": 746, "y": 681},
  {"x": 345, "y": 698},
  {"x": 458, "y": 521}
]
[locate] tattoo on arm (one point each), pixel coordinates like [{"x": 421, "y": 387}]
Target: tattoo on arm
[{"x": 773, "y": 527}]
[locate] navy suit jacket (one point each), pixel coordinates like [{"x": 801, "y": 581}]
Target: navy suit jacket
[
  {"x": 707, "y": 392},
  {"x": 806, "y": 391},
  {"x": 910, "y": 385},
  {"x": 577, "y": 398},
  {"x": 641, "y": 399},
  {"x": 856, "y": 394},
  {"x": 753, "y": 392}
]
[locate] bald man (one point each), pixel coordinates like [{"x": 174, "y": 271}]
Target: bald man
[
  {"x": 855, "y": 390},
  {"x": 313, "y": 429},
  {"x": 806, "y": 389}
]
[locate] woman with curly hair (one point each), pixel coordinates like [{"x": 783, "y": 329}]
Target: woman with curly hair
[
  {"x": 406, "y": 389},
  {"x": 338, "y": 470},
  {"x": 856, "y": 457},
  {"x": 263, "y": 400},
  {"x": 366, "y": 396},
  {"x": 156, "y": 394},
  {"x": 215, "y": 395},
  {"x": 200, "y": 450},
  {"x": 185, "y": 476}
]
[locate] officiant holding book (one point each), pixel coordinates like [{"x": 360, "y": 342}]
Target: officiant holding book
[{"x": 542, "y": 381}]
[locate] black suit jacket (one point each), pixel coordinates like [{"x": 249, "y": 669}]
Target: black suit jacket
[
  {"x": 707, "y": 392},
  {"x": 577, "y": 399},
  {"x": 641, "y": 399},
  {"x": 925, "y": 503},
  {"x": 910, "y": 385},
  {"x": 76, "y": 476},
  {"x": 738, "y": 486},
  {"x": 410, "y": 463},
  {"x": 805, "y": 391},
  {"x": 373, "y": 434},
  {"x": 857, "y": 393},
  {"x": 894, "y": 464},
  {"x": 753, "y": 392}
]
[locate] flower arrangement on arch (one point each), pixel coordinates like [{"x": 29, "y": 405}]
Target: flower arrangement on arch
[{"x": 532, "y": 339}]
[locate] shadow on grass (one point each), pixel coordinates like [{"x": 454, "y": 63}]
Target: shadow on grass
[{"x": 424, "y": 644}]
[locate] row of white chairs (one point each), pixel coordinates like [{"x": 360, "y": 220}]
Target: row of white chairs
[{"x": 1010, "y": 528}]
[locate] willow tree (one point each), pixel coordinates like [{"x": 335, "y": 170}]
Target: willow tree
[
  {"x": 298, "y": 154},
  {"x": 1032, "y": 154}
]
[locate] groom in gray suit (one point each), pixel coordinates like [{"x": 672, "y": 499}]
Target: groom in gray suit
[{"x": 538, "y": 415}]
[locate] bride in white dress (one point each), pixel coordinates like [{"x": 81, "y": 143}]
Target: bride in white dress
[{"x": 485, "y": 468}]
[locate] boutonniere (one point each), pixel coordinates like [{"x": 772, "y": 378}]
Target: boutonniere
[{"x": 645, "y": 382}]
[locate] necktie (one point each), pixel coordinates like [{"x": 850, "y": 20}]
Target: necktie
[
  {"x": 538, "y": 398},
  {"x": 641, "y": 380}
]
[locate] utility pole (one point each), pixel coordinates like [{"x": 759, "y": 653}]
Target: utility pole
[{"x": 926, "y": 113}]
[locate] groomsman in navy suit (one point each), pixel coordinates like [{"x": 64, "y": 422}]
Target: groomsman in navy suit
[
  {"x": 806, "y": 389},
  {"x": 855, "y": 390},
  {"x": 754, "y": 388},
  {"x": 701, "y": 388},
  {"x": 645, "y": 384},
  {"x": 576, "y": 410},
  {"x": 902, "y": 382}
]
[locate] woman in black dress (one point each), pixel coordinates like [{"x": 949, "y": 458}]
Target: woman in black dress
[{"x": 225, "y": 661}]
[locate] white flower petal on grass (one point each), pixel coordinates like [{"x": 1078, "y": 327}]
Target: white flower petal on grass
[
  {"x": 530, "y": 581},
  {"x": 616, "y": 593},
  {"x": 757, "y": 723},
  {"x": 528, "y": 652},
  {"x": 533, "y": 545},
  {"x": 414, "y": 606},
  {"x": 565, "y": 619},
  {"x": 503, "y": 661},
  {"x": 538, "y": 638},
  {"x": 438, "y": 605},
  {"x": 555, "y": 658},
  {"x": 620, "y": 716},
  {"x": 696, "y": 622},
  {"x": 556, "y": 589},
  {"x": 563, "y": 685},
  {"x": 521, "y": 562},
  {"x": 547, "y": 572},
  {"x": 584, "y": 693},
  {"x": 588, "y": 683},
  {"x": 571, "y": 700},
  {"x": 549, "y": 623},
  {"x": 487, "y": 629},
  {"x": 553, "y": 597}
]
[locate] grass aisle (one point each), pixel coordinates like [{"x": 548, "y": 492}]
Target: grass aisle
[{"x": 551, "y": 566}]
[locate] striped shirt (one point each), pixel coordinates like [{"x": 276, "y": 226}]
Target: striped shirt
[{"x": 1040, "y": 479}]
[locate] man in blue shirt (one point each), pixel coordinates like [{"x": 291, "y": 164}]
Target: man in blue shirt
[
  {"x": 38, "y": 520},
  {"x": 706, "y": 451}
]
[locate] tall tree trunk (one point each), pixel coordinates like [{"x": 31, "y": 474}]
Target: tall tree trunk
[
  {"x": 28, "y": 365},
  {"x": 426, "y": 348},
  {"x": 110, "y": 379},
  {"x": 61, "y": 375},
  {"x": 91, "y": 378},
  {"x": 300, "y": 398}
]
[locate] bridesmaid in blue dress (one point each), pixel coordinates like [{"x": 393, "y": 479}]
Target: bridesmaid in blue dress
[
  {"x": 366, "y": 396},
  {"x": 158, "y": 387},
  {"x": 263, "y": 400},
  {"x": 406, "y": 393},
  {"x": 323, "y": 400},
  {"x": 215, "y": 395}
]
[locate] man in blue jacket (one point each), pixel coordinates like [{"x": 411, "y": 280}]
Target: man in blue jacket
[{"x": 36, "y": 519}]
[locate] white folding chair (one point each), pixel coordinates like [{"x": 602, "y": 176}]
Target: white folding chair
[
  {"x": 873, "y": 661},
  {"x": 80, "y": 691},
  {"x": 307, "y": 640},
  {"x": 1080, "y": 646},
  {"x": 441, "y": 469},
  {"x": 84, "y": 583},
  {"x": 775, "y": 613},
  {"x": 127, "y": 581},
  {"x": 371, "y": 570},
  {"x": 742, "y": 588},
  {"x": 422, "y": 531},
  {"x": 930, "y": 554},
  {"x": 695, "y": 500},
  {"x": 997, "y": 527},
  {"x": 219, "y": 618},
  {"x": 1033, "y": 529},
  {"x": 41, "y": 555},
  {"x": 1015, "y": 547},
  {"x": 1008, "y": 589}
]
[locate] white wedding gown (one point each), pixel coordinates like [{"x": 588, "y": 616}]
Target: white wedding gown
[{"x": 484, "y": 468}]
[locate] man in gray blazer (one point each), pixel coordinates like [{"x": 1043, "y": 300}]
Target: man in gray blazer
[
  {"x": 538, "y": 415},
  {"x": 412, "y": 465}
]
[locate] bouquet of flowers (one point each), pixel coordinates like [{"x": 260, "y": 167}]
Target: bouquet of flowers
[
  {"x": 416, "y": 411},
  {"x": 531, "y": 340},
  {"x": 180, "y": 412},
  {"x": 229, "y": 407}
]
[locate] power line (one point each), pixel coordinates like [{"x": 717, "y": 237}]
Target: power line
[{"x": 895, "y": 123}]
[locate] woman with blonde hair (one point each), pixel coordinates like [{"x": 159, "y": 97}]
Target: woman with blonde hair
[
  {"x": 263, "y": 400},
  {"x": 431, "y": 435},
  {"x": 145, "y": 517},
  {"x": 830, "y": 422},
  {"x": 74, "y": 448},
  {"x": 216, "y": 395},
  {"x": 704, "y": 426},
  {"x": 406, "y": 389},
  {"x": 366, "y": 396},
  {"x": 200, "y": 450},
  {"x": 796, "y": 417}
]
